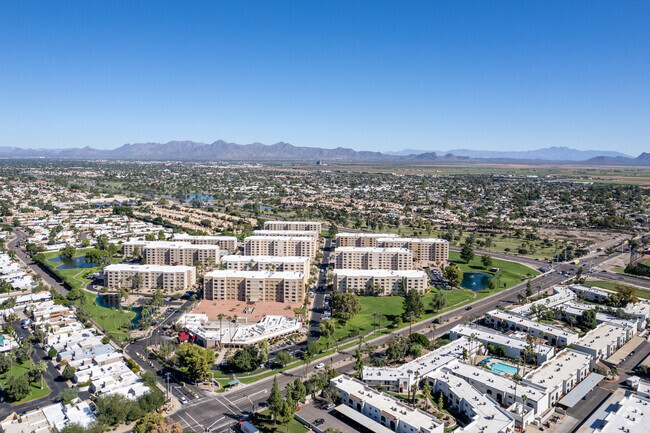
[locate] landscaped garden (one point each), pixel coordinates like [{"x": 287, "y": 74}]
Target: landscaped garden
[{"x": 32, "y": 389}]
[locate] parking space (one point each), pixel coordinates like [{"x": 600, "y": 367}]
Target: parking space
[{"x": 311, "y": 413}]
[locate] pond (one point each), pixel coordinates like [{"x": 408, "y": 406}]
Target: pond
[
  {"x": 475, "y": 281},
  {"x": 202, "y": 197},
  {"x": 112, "y": 301},
  {"x": 72, "y": 263}
]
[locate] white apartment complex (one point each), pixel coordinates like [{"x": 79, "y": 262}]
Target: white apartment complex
[
  {"x": 364, "y": 240},
  {"x": 308, "y": 233},
  {"x": 428, "y": 250},
  {"x": 254, "y": 286},
  {"x": 396, "y": 259},
  {"x": 144, "y": 277},
  {"x": 314, "y": 226},
  {"x": 514, "y": 322},
  {"x": 380, "y": 281},
  {"x": 603, "y": 341},
  {"x": 268, "y": 263},
  {"x": 225, "y": 242},
  {"x": 174, "y": 253},
  {"x": 303, "y": 246}
]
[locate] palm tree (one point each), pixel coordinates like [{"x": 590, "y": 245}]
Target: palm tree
[
  {"x": 410, "y": 317},
  {"x": 415, "y": 388},
  {"x": 41, "y": 368},
  {"x": 220, "y": 317},
  {"x": 524, "y": 397}
]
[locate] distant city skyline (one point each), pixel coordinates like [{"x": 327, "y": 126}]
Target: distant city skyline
[{"x": 377, "y": 76}]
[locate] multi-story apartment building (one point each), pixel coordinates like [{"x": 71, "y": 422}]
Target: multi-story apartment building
[
  {"x": 143, "y": 277},
  {"x": 361, "y": 239},
  {"x": 514, "y": 322},
  {"x": 602, "y": 342},
  {"x": 383, "y": 411},
  {"x": 397, "y": 259},
  {"x": 303, "y": 246},
  {"x": 174, "y": 253},
  {"x": 380, "y": 281},
  {"x": 427, "y": 250},
  {"x": 225, "y": 242},
  {"x": 254, "y": 286},
  {"x": 314, "y": 226},
  {"x": 292, "y": 233},
  {"x": 268, "y": 263}
]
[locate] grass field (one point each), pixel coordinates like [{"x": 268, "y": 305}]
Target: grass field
[
  {"x": 262, "y": 420},
  {"x": 108, "y": 318},
  {"x": 610, "y": 285},
  {"x": 34, "y": 388},
  {"x": 511, "y": 272}
]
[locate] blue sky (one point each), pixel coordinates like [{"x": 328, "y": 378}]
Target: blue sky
[{"x": 494, "y": 75}]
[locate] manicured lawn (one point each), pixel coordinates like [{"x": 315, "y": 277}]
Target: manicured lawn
[
  {"x": 35, "y": 388},
  {"x": 263, "y": 422},
  {"x": 78, "y": 278},
  {"x": 610, "y": 285},
  {"x": 511, "y": 272}
]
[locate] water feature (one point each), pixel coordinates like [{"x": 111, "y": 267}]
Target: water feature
[
  {"x": 77, "y": 262},
  {"x": 112, "y": 300},
  {"x": 265, "y": 207},
  {"x": 202, "y": 197},
  {"x": 476, "y": 281}
]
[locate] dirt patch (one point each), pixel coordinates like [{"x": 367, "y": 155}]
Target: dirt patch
[{"x": 253, "y": 312}]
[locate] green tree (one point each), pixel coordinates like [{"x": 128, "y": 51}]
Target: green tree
[
  {"x": 275, "y": 400},
  {"x": 194, "y": 361},
  {"x": 413, "y": 304},
  {"x": 529, "y": 289},
  {"x": 67, "y": 395},
  {"x": 147, "y": 422},
  {"x": 68, "y": 372},
  {"x": 467, "y": 252},
  {"x": 327, "y": 329},
  {"x": 486, "y": 261},
  {"x": 288, "y": 411},
  {"x": 345, "y": 304},
  {"x": 299, "y": 391},
  {"x": 454, "y": 275},
  {"x": 438, "y": 301},
  {"x": 283, "y": 358},
  {"x": 17, "y": 388}
]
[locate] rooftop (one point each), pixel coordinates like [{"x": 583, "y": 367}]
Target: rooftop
[
  {"x": 231, "y": 273},
  {"x": 367, "y": 235},
  {"x": 280, "y": 238},
  {"x": 556, "y": 370},
  {"x": 524, "y": 322},
  {"x": 371, "y": 250},
  {"x": 147, "y": 268},
  {"x": 265, "y": 259},
  {"x": 415, "y": 240},
  {"x": 602, "y": 336},
  {"x": 629, "y": 415},
  {"x": 498, "y": 338}
]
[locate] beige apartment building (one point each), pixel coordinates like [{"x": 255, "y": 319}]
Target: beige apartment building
[
  {"x": 280, "y": 246},
  {"x": 314, "y": 226},
  {"x": 382, "y": 282},
  {"x": 268, "y": 263},
  {"x": 144, "y": 277},
  {"x": 428, "y": 250},
  {"x": 174, "y": 253},
  {"x": 254, "y": 286},
  {"x": 364, "y": 240},
  {"x": 225, "y": 242},
  {"x": 293, "y": 233},
  {"x": 397, "y": 259}
]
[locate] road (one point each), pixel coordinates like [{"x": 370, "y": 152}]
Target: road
[{"x": 585, "y": 408}]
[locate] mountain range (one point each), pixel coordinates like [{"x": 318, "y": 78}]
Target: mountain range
[{"x": 224, "y": 151}]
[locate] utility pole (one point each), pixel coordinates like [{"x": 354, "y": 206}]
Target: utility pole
[{"x": 168, "y": 373}]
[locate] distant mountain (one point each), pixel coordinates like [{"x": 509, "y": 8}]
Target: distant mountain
[
  {"x": 224, "y": 151},
  {"x": 546, "y": 154}
]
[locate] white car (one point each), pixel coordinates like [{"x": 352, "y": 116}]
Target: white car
[
  {"x": 320, "y": 366},
  {"x": 183, "y": 399}
]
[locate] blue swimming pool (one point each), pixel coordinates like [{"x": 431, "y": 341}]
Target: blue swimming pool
[{"x": 499, "y": 367}]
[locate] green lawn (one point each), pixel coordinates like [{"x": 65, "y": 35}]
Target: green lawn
[
  {"x": 511, "y": 272},
  {"x": 35, "y": 388},
  {"x": 610, "y": 285},
  {"x": 78, "y": 278},
  {"x": 263, "y": 422}
]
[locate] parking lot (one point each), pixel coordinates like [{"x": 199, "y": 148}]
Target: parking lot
[{"x": 310, "y": 412}]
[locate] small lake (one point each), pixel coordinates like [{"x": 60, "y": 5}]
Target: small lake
[
  {"x": 108, "y": 301},
  {"x": 72, "y": 263},
  {"x": 202, "y": 197},
  {"x": 475, "y": 281},
  {"x": 265, "y": 207}
]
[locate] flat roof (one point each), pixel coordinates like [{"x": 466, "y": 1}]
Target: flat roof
[
  {"x": 560, "y": 296},
  {"x": 558, "y": 369},
  {"x": 548, "y": 329},
  {"x": 285, "y": 232},
  {"x": 631, "y": 413},
  {"x": 147, "y": 268},
  {"x": 410, "y": 273},
  {"x": 498, "y": 338},
  {"x": 204, "y": 237},
  {"x": 362, "y": 419},
  {"x": 602, "y": 336},
  {"x": 371, "y": 250},
  {"x": 171, "y": 244},
  {"x": 265, "y": 259},
  {"x": 576, "y": 394},
  {"x": 367, "y": 235},
  {"x": 254, "y": 274},
  {"x": 416, "y": 240},
  {"x": 386, "y": 403},
  {"x": 279, "y": 238}
]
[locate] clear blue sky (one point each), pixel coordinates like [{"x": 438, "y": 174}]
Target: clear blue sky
[{"x": 506, "y": 75}]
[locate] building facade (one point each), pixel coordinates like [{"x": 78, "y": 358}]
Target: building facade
[
  {"x": 314, "y": 226},
  {"x": 380, "y": 281},
  {"x": 254, "y": 286},
  {"x": 225, "y": 242},
  {"x": 268, "y": 263},
  {"x": 302, "y": 246},
  {"x": 427, "y": 250},
  {"x": 144, "y": 277},
  {"x": 396, "y": 259},
  {"x": 174, "y": 253}
]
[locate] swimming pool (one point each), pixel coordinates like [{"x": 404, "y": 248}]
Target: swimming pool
[{"x": 499, "y": 367}]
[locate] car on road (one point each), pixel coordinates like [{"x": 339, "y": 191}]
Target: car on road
[
  {"x": 320, "y": 366},
  {"x": 183, "y": 399},
  {"x": 468, "y": 308},
  {"x": 318, "y": 422},
  {"x": 330, "y": 406}
]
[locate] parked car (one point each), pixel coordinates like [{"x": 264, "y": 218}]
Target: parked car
[
  {"x": 320, "y": 366},
  {"x": 330, "y": 406}
]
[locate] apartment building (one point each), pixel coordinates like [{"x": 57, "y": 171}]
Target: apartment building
[
  {"x": 514, "y": 346},
  {"x": 362, "y": 240},
  {"x": 314, "y": 226},
  {"x": 144, "y": 277},
  {"x": 482, "y": 411},
  {"x": 303, "y": 246},
  {"x": 396, "y": 259},
  {"x": 384, "y": 412},
  {"x": 268, "y": 263},
  {"x": 602, "y": 342},
  {"x": 427, "y": 250},
  {"x": 514, "y": 322},
  {"x": 589, "y": 293},
  {"x": 174, "y": 253},
  {"x": 382, "y": 282},
  {"x": 292, "y": 233},
  {"x": 560, "y": 374},
  {"x": 254, "y": 286},
  {"x": 225, "y": 242}
]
